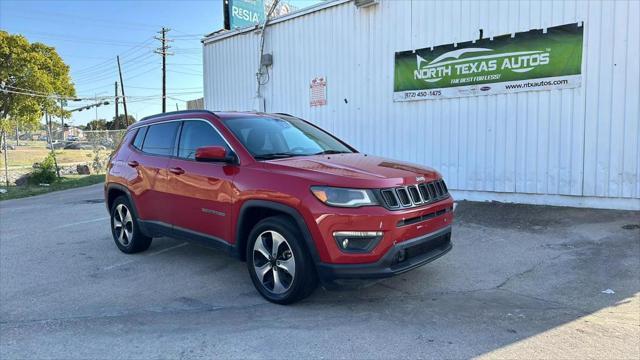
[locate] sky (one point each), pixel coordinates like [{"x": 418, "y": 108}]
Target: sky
[{"x": 89, "y": 34}]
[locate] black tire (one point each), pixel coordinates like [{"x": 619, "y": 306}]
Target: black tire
[
  {"x": 132, "y": 240},
  {"x": 304, "y": 281}
]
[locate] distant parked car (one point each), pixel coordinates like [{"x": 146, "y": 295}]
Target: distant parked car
[
  {"x": 107, "y": 143},
  {"x": 78, "y": 146},
  {"x": 59, "y": 144},
  {"x": 72, "y": 138}
]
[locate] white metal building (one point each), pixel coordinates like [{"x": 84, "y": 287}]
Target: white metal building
[{"x": 573, "y": 147}]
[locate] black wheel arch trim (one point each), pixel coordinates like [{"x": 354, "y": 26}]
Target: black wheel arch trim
[
  {"x": 286, "y": 209},
  {"x": 115, "y": 186}
]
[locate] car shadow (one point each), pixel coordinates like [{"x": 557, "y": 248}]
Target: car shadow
[{"x": 516, "y": 272}]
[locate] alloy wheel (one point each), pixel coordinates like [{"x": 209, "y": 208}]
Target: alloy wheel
[
  {"x": 273, "y": 262},
  {"x": 123, "y": 225}
]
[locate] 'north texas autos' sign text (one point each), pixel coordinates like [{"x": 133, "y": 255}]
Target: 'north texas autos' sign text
[{"x": 526, "y": 61}]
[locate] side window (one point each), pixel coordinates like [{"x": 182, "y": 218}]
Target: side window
[
  {"x": 137, "y": 142},
  {"x": 196, "y": 134},
  {"x": 160, "y": 138}
]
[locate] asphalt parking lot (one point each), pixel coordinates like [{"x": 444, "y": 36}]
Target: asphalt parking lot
[{"x": 521, "y": 281}]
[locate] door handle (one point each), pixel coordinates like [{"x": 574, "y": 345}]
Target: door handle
[
  {"x": 176, "y": 170},
  {"x": 133, "y": 163}
]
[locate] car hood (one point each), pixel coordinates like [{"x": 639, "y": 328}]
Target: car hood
[{"x": 354, "y": 170}]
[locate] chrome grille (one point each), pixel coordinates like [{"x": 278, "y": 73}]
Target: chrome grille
[
  {"x": 390, "y": 198},
  {"x": 432, "y": 190},
  {"x": 414, "y": 195},
  {"x": 403, "y": 195},
  {"x": 424, "y": 192}
]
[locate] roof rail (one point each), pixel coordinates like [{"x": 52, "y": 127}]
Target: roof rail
[{"x": 175, "y": 113}]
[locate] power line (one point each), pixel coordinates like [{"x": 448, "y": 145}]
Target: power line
[
  {"x": 79, "y": 17},
  {"x": 91, "y": 98},
  {"x": 108, "y": 73},
  {"x": 138, "y": 75},
  {"x": 185, "y": 72},
  {"x": 185, "y": 34},
  {"x": 153, "y": 88},
  {"x": 109, "y": 67},
  {"x": 86, "y": 40},
  {"x": 109, "y": 77},
  {"x": 125, "y": 53},
  {"x": 26, "y": 90}
]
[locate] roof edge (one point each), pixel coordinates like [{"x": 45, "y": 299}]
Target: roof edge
[{"x": 217, "y": 36}]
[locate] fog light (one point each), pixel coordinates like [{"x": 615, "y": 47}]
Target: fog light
[{"x": 357, "y": 241}]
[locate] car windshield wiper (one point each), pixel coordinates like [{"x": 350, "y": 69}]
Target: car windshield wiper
[
  {"x": 274, "y": 156},
  {"x": 329, "y": 152}
]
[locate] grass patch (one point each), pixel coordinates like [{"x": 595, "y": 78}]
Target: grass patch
[
  {"x": 26, "y": 156},
  {"x": 67, "y": 182}
]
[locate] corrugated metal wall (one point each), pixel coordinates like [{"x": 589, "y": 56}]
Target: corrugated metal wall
[{"x": 582, "y": 141}]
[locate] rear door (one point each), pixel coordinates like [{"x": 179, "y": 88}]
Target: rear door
[
  {"x": 201, "y": 192},
  {"x": 151, "y": 161}
]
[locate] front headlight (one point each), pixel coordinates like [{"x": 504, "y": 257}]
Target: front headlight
[{"x": 344, "y": 197}]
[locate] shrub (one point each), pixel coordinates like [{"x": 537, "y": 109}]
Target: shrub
[
  {"x": 98, "y": 163},
  {"x": 46, "y": 172}
]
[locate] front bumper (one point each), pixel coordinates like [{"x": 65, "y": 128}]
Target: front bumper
[{"x": 418, "y": 251}]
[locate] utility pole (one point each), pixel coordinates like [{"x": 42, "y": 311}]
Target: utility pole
[
  {"x": 62, "y": 118},
  {"x": 116, "y": 120},
  {"x": 163, "y": 51},
  {"x": 49, "y": 119},
  {"x": 48, "y": 122},
  {"x": 124, "y": 98},
  {"x": 6, "y": 161}
]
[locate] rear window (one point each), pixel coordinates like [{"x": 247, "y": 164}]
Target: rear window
[
  {"x": 137, "y": 142},
  {"x": 160, "y": 138}
]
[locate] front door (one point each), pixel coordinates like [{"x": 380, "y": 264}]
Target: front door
[{"x": 201, "y": 192}]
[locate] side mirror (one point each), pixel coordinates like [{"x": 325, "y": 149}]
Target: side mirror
[{"x": 214, "y": 154}]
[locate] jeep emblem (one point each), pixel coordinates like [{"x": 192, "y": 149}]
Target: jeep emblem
[{"x": 419, "y": 178}]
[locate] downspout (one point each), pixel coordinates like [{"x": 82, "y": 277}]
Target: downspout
[{"x": 260, "y": 73}]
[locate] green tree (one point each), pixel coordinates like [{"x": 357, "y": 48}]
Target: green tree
[
  {"x": 120, "y": 123},
  {"x": 33, "y": 77},
  {"x": 97, "y": 124}
]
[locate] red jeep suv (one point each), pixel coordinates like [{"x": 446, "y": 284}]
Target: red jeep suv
[{"x": 296, "y": 203}]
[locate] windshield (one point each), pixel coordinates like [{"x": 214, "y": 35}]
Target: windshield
[{"x": 271, "y": 138}]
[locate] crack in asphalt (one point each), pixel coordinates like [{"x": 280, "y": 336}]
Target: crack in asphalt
[{"x": 530, "y": 270}]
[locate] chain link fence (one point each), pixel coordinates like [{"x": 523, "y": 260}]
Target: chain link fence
[
  {"x": 81, "y": 153},
  {"x": 106, "y": 138}
]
